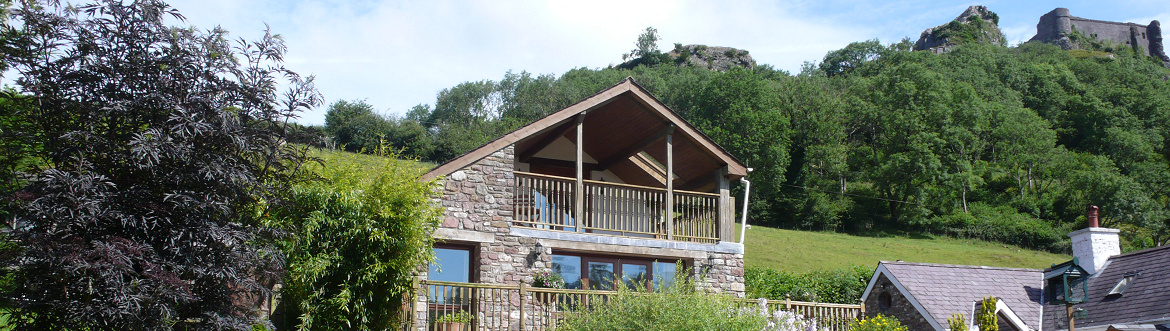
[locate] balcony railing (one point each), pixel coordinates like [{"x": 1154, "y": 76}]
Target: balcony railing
[
  {"x": 548, "y": 202},
  {"x": 521, "y": 307}
]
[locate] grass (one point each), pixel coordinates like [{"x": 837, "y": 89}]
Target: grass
[
  {"x": 370, "y": 163},
  {"x": 804, "y": 251}
]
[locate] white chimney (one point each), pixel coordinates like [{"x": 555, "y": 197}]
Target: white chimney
[{"x": 1094, "y": 245}]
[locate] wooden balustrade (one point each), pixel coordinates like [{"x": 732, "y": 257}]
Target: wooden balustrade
[
  {"x": 522, "y": 307},
  {"x": 546, "y": 202}
]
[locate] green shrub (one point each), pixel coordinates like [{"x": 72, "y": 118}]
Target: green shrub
[
  {"x": 957, "y": 323},
  {"x": 877, "y": 323},
  {"x": 836, "y": 286},
  {"x": 356, "y": 238},
  {"x": 455, "y": 317},
  {"x": 678, "y": 307},
  {"x": 1000, "y": 224},
  {"x": 986, "y": 316}
]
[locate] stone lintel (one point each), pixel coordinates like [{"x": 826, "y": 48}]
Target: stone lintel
[{"x": 448, "y": 234}]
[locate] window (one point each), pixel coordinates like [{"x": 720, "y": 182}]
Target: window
[
  {"x": 603, "y": 272},
  {"x": 451, "y": 265},
  {"x": 1123, "y": 284},
  {"x": 885, "y": 301}
]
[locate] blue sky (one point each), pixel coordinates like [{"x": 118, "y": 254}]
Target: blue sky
[{"x": 396, "y": 54}]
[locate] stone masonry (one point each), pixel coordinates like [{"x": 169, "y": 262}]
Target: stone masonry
[{"x": 899, "y": 306}]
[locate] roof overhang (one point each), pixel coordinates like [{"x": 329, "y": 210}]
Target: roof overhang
[{"x": 617, "y": 121}]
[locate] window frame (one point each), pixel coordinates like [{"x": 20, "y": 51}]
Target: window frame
[{"x": 472, "y": 258}]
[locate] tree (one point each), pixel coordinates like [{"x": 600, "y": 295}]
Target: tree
[
  {"x": 851, "y": 57},
  {"x": 356, "y": 242},
  {"x": 647, "y": 44},
  {"x": 159, "y": 144}
]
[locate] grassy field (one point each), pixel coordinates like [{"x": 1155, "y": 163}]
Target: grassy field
[
  {"x": 803, "y": 251},
  {"x": 365, "y": 161}
]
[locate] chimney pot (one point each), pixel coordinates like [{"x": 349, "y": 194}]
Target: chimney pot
[{"x": 1093, "y": 220}]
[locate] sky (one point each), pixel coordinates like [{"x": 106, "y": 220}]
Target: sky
[{"x": 397, "y": 54}]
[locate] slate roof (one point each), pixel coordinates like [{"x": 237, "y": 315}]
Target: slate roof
[
  {"x": 1146, "y": 299},
  {"x": 946, "y": 289}
]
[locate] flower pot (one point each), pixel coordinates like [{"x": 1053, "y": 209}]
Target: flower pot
[{"x": 449, "y": 326}]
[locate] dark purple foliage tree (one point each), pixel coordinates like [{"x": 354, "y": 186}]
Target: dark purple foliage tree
[{"x": 159, "y": 146}]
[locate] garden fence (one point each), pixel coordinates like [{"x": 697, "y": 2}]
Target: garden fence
[{"x": 495, "y": 307}]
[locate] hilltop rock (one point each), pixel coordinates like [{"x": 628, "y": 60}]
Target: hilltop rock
[
  {"x": 712, "y": 57},
  {"x": 976, "y": 24}
]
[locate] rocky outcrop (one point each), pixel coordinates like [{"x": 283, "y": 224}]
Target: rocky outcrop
[
  {"x": 712, "y": 57},
  {"x": 1059, "y": 27},
  {"x": 976, "y": 24},
  {"x": 1156, "y": 49}
]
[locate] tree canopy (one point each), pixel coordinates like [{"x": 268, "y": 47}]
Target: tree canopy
[
  {"x": 152, "y": 149},
  {"x": 1001, "y": 143}
]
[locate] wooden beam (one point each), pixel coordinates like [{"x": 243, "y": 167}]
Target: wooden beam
[
  {"x": 734, "y": 167},
  {"x": 636, "y": 147},
  {"x": 561, "y": 163},
  {"x": 670, "y": 185},
  {"x": 542, "y": 125},
  {"x": 579, "y": 207},
  {"x": 544, "y": 142}
]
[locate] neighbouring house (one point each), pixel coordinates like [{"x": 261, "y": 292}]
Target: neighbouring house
[
  {"x": 1110, "y": 290},
  {"x": 615, "y": 190},
  {"x": 923, "y": 296}
]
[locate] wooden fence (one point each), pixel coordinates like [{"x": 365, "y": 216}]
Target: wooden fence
[{"x": 495, "y": 307}]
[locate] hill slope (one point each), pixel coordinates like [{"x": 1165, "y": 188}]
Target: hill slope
[{"x": 803, "y": 251}]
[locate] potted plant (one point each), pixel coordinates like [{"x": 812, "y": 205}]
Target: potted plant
[
  {"x": 547, "y": 279},
  {"x": 453, "y": 321}
]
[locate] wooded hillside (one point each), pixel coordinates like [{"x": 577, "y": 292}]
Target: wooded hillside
[{"x": 989, "y": 142}]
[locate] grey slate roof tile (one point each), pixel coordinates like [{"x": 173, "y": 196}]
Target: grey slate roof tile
[{"x": 945, "y": 289}]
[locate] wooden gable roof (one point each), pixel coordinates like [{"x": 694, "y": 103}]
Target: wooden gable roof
[{"x": 617, "y": 119}]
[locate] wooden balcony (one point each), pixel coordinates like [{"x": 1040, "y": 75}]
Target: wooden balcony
[{"x": 550, "y": 202}]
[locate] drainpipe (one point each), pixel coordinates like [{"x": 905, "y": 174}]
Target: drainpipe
[{"x": 746, "y": 193}]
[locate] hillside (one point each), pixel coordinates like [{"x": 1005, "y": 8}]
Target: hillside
[
  {"x": 1003, "y": 144},
  {"x": 804, "y": 251}
]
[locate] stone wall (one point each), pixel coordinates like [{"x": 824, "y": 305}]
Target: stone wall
[
  {"x": 720, "y": 273},
  {"x": 899, "y": 306}
]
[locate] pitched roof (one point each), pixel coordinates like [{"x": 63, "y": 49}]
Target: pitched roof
[
  {"x": 626, "y": 92},
  {"x": 946, "y": 289},
  {"x": 1147, "y": 298}
]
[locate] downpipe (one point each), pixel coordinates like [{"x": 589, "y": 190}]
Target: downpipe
[{"x": 747, "y": 191}]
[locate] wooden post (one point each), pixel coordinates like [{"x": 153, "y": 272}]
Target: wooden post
[
  {"x": 523, "y": 292},
  {"x": 579, "y": 202},
  {"x": 413, "y": 305},
  {"x": 787, "y": 302},
  {"x": 670, "y": 183},
  {"x": 1071, "y": 321},
  {"x": 726, "y": 211}
]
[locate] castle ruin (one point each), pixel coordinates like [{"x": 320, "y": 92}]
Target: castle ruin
[{"x": 1056, "y": 26}]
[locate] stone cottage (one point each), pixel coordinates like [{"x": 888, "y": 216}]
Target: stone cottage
[{"x": 615, "y": 190}]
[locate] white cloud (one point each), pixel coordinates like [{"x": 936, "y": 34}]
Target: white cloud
[{"x": 398, "y": 54}]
